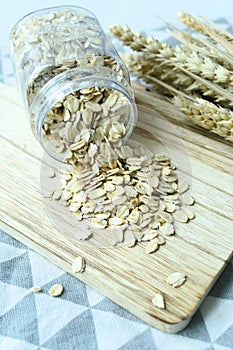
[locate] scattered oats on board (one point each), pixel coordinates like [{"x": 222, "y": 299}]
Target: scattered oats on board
[
  {"x": 56, "y": 195},
  {"x": 183, "y": 187},
  {"x": 158, "y": 301},
  {"x": 127, "y": 189},
  {"x": 187, "y": 199},
  {"x": 48, "y": 171},
  {"x": 189, "y": 213},
  {"x": 149, "y": 235},
  {"x": 129, "y": 238},
  {"x": 176, "y": 279},
  {"x": 161, "y": 240},
  {"x": 56, "y": 290},
  {"x": 180, "y": 216},
  {"x": 118, "y": 235},
  {"x": 78, "y": 265},
  {"x": 167, "y": 229},
  {"x": 48, "y": 194},
  {"x": 152, "y": 246},
  {"x": 82, "y": 235}
]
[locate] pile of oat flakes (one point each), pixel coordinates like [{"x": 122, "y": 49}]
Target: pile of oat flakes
[
  {"x": 84, "y": 120},
  {"x": 124, "y": 187},
  {"x": 128, "y": 189}
]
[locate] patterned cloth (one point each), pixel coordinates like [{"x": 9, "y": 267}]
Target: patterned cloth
[{"x": 83, "y": 319}]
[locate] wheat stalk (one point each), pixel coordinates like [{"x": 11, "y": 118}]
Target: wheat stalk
[
  {"x": 135, "y": 41},
  {"x": 217, "y": 35},
  {"x": 138, "y": 65},
  {"x": 219, "y": 29},
  {"x": 193, "y": 72},
  {"x": 155, "y": 58},
  {"x": 203, "y": 46},
  {"x": 207, "y": 115},
  {"x": 207, "y": 77},
  {"x": 198, "y": 26}
]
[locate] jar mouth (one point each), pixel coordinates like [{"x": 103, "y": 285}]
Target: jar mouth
[{"x": 72, "y": 81}]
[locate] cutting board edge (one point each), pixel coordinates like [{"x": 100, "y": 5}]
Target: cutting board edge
[{"x": 154, "y": 322}]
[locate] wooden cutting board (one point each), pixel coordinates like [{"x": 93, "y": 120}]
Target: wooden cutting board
[{"x": 128, "y": 276}]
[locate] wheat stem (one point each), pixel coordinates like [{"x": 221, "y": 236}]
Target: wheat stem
[
  {"x": 191, "y": 73},
  {"x": 208, "y": 77},
  {"x": 204, "y": 29},
  {"x": 204, "y": 47}
]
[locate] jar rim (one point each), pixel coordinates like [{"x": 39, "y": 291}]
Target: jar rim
[{"x": 74, "y": 80}]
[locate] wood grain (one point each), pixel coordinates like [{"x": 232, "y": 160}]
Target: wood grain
[{"x": 128, "y": 276}]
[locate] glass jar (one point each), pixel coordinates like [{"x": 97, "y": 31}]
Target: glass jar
[{"x": 75, "y": 86}]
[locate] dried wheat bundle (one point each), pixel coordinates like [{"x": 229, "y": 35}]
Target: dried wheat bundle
[
  {"x": 214, "y": 31},
  {"x": 199, "y": 73},
  {"x": 207, "y": 115},
  {"x": 179, "y": 67}
]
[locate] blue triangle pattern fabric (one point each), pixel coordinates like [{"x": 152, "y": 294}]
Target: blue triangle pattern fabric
[
  {"x": 226, "y": 339},
  {"x": 20, "y": 321},
  {"x": 17, "y": 271},
  {"x": 224, "y": 286},
  {"x": 74, "y": 290},
  {"x": 77, "y": 334},
  {"x": 109, "y": 306},
  {"x": 142, "y": 341},
  {"x": 10, "y": 240},
  {"x": 196, "y": 329}
]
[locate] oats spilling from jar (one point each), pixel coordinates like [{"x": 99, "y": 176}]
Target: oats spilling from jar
[
  {"x": 73, "y": 79},
  {"x": 48, "y": 73},
  {"x": 49, "y": 43},
  {"x": 130, "y": 191},
  {"x": 79, "y": 124}
]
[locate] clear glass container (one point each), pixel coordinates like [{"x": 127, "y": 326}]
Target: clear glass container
[{"x": 72, "y": 79}]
